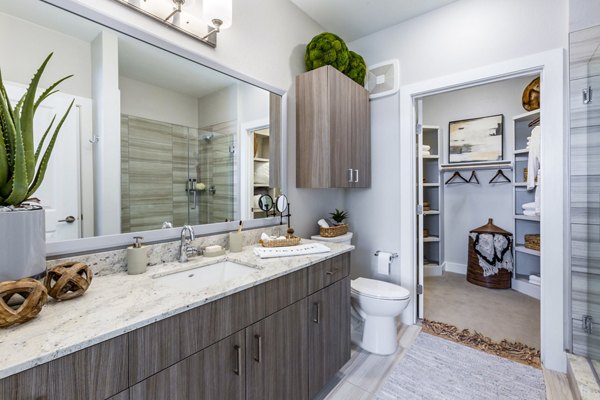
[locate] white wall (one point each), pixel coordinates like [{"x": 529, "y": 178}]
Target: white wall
[
  {"x": 148, "y": 101},
  {"x": 266, "y": 42},
  {"x": 463, "y": 35},
  {"x": 218, "y": 107},
  {"x": 25, "y": 45},
  {"x": 468, "y": 206},
  {"x": 253, "y": 103},
  {"x": 583, "y": 14}
]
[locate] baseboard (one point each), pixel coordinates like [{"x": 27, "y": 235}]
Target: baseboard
[{"x": 455, "y": 267}]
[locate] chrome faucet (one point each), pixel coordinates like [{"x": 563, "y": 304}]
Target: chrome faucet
[{"x": 185, "y": 249}]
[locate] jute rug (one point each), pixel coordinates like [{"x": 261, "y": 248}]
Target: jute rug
[
  {"x": 514, "y": 351},
  {"x": 438, "y": 369}
]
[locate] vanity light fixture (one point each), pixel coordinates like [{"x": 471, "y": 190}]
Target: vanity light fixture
[{"x": 177, "y": 14}]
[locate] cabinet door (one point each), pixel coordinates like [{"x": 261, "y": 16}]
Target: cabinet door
[
  {"x": 276, "y": 356},
  {"x": 328, "y": 333},
  {"x": 340, "y": 123},
  {"x": 360, "y": 131},
  {"x": 217, "y": 372}
]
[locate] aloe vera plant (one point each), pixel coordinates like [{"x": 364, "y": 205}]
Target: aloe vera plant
[{"x": 23, "y": 165}]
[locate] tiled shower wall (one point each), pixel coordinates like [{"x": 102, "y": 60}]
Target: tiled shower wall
[
  {"x": 156, "y": 161},
  {"x": 585, "y": 189}
]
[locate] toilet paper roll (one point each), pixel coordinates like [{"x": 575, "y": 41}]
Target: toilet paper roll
[{"x": 384, "y": 259}]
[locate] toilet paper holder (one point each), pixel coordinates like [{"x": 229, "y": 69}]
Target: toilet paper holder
[{"x": 393, "y": 256}]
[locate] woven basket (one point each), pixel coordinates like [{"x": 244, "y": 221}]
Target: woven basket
[
  {"x": 334, "y": 231},
  {"x": 533, "y": 242},
  {"x": 292, "y": 241}
]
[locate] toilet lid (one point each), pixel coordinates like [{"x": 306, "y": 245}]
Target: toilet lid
[{"x": 379, "y": 289}]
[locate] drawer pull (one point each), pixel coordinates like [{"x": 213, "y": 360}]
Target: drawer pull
[
  {"x": 333, "y": 271},
  {"x": 317, "y": 313},
  {"x": 238, "y": 361},
  {"x": 258, "y": 339}
]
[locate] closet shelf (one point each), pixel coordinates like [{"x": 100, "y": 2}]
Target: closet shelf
[
  {"x": 527, "y": 117},
  {"x": 431, "y": 239},
  {"x": 431, "y": 212},
  {"x": 432, "y": 157},
  {"x": 520, "y": 184},
  {"x": 261, "y": 159},
  {"x": 527, "y": 217},
  {"x": 522, "y": 152},
  {"x": 522, "y": 249},
  {"x": 476, "y": 166},
  {"x": 431, "y": 185}
]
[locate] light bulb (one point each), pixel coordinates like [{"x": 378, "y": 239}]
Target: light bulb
[{"x": 221, "y": 10}]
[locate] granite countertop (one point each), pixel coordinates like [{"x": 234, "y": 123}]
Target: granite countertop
[{"x": 119, "y": 303}]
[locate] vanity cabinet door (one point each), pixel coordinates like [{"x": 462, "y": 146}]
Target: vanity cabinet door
[
  {"x": 31, "y": 384},
  {"x": 328, "y": 334},
  {"x": 360, "y": 132},
  {"x": 217, "y": 372},
  {"x": 97, "y": 372},
  {"x": 276, "y": 357}
]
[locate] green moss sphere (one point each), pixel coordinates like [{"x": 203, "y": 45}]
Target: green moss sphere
[
  {"x": 327, "y": 49},
  {"x": 357, "y": 69}
]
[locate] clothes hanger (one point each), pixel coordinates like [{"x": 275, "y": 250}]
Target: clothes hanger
[
  {"x": 500, "y": 174},
  {"x": 535, "y": 122},
  {"x": 456, "y": 174},
  {"x": 473, "y": 178}
]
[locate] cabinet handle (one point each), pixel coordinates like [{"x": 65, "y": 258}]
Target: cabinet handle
[
  {"x": 317, "y": 313},
  {"x": 238, "y": 360},
  {"x": 350, "y": 175},
  {"x": 258, "y": 339},
  {"x": 333, "y": 271},
  {"x": 356, "y": 178}
]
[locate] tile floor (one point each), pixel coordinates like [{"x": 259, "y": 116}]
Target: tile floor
[{"x": 362, "y": 376}]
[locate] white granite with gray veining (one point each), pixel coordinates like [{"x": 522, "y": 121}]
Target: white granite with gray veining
[{"x": 119, "y": 303}]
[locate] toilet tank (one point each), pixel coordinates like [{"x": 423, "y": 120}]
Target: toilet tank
[{"x": 344, "y": 239}]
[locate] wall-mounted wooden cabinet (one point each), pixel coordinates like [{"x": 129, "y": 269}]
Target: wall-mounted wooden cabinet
[{"x": 333, "y": 131}]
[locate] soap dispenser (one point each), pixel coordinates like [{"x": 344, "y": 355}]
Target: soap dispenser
[{"x": 137, "y": 258}]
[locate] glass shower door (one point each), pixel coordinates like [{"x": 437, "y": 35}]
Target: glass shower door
[{"x": 585, "y": 191}]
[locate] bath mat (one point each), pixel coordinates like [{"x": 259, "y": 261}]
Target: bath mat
[
  {"x": 514, "y": 351},
  {"x": 438, "y": 369}
]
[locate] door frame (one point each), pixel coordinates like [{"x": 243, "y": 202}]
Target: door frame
[
  {"x": 551, "y": 67},
  {"x": 247, "y": 165}
]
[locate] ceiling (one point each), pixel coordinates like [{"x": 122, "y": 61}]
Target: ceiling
[{"x": 354, "y": 19}]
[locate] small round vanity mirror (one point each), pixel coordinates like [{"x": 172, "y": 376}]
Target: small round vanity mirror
[
  {"x": 281, "y": 204},
  {"x": 265, "y": 202}
]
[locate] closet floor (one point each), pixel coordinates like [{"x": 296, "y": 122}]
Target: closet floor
[{"x": 495, "y": 313}]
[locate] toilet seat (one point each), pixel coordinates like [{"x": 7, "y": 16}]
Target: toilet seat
[{"x": 378, "y": 289}]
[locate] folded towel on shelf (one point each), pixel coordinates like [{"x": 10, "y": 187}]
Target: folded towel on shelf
[
  {"x": 535, "y": 280},
  {"x": 528, "y": 206},
  {"x": 426, "y": 153},
  {"x": 300, "y": 250},
  {"x": 529, "y": 213},
  {"x": 426, "y": 147}
]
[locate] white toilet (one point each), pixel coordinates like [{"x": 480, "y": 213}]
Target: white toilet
[{"x": 377, "y": 303}]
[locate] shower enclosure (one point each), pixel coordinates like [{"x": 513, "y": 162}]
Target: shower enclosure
[
  {"x": 172, "y": 175},
  {"x": 584, "y": 332}
]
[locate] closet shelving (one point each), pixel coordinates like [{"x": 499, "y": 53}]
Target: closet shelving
[
  {"x": 526, "y": 261},
  {"x": 429, "y": 191}
]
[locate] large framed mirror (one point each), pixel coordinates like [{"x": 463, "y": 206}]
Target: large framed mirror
[{"x": 157, "y": 140}]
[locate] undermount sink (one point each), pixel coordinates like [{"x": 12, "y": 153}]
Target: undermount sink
[{"x": 205, "y": 276}]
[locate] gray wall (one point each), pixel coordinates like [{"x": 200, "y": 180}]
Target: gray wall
[{"x": 469, "y": 206}]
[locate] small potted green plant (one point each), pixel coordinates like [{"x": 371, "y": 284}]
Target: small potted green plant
[
  {"x": 339, "y": 228},
  {"x": 22, "y": 168}
]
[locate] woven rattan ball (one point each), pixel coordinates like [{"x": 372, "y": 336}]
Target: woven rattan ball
[
  {"x": 21, "y": 301},
  {"x": 68, "y": 280}
]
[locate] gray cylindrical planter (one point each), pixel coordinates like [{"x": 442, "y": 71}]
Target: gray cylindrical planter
[{"x": 22, "y": 244}]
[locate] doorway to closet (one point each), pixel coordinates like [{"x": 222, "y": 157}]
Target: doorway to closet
[{"x": 478, "y": 224}]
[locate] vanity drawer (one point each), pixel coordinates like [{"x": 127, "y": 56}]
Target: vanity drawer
[
  {"x": 164, "y": 343},
  {"x": 288, "y": 289},
  {"x": 327, "y": 272}
]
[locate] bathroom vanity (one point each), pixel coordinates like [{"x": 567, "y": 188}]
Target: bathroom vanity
[{"x": 278, "y": 333}]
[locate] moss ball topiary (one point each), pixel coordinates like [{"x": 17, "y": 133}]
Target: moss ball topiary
[
  {"x": 326, "y": 49},
  {"x": 357, "y": 69}
]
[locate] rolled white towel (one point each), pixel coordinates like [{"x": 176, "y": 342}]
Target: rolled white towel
[
  {"x": 322, "y": 223},
  {"x": 426, "y": 147},
  {"x": 529, "y": 206},
  {"x": 265, "y": 237},
  {"x": 529, "y": 213}
]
